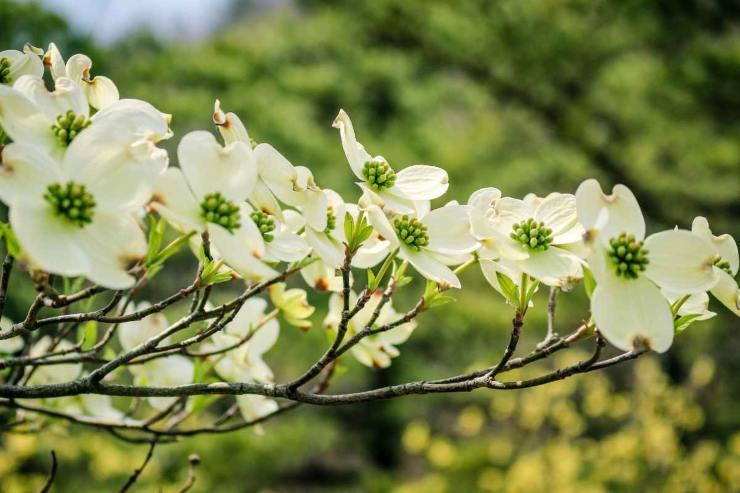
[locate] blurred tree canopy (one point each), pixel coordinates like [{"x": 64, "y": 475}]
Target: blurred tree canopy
[{"x": 524, "y": 95}]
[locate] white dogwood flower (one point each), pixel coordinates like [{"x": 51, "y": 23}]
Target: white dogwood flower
[
  {"x": 244, "y": 362},
  {"x": 293, "y": 305},
  {"x": 73, "y": 220},
  {"x": 207, "y": 194},
  {"x": 328, "y": 243},
  {"x": 51, "y": 374},
  {"x": 233, "y": 130},
  {"x": 627, "y": 304},
  {"x": 14, "y": 64},
  {"x": 99, "y": 91},
  {"x": 377, "y": 350},
  {"x": 394, "y": 190},
  {"x": 161, "y": 372},
  {"x": 251, "y": 334},
  {"x": 532, "y": 236},
  {"x": 123, "y": 135},
  {"x": 726, "y": 263},
  {"x": 439, "y": 238},
  {"x": 292, "y": 185},
  {"x": 169, "y": 371},
  {"x": 136, "y": 332}
]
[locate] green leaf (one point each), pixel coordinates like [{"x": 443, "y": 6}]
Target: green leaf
[
  {"x": 589, "y": 283},
  {"x": 530, "y": 292},
  {"x": 376, "y": 280},
  {"x": 682, "y": 323},
  {"x": 433, "y": 298},
  {"x": 349, "y": 226},
  {"x": 212, "y": 274},
  {"x": 155, "y": 259},
  {"x": 11, "y": 242},
  {"x": 508, "y": 288},
  {"x": 88, "y": 333}
]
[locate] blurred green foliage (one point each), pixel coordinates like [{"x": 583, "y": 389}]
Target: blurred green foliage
[{"x": 524, "y": 95}]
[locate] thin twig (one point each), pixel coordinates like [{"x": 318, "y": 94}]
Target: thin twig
[
  {"x": 135, "y": 476},
  {"x": 52, "y": 474}
]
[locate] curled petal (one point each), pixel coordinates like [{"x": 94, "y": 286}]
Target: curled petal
[
  {"x": 230, "y": 126},
  {"x": 356, "y": 154}
]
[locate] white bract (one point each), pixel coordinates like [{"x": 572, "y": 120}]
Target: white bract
[
  {"x": 136, "y": 332},
  {"x": 74, "y": 218},
  {"x": 293, "y": 305},
  {"x": 440, "y": 238},
  {"x": 99, "y": 91},
  {"x": 394, "y": 190},
  {"x": 14, "y": 64},
  {"x": 169, "y": 371},
  {"x": 627, "y": 304},
  {"x": 726, "y": 263},
  {"x": 243, "y": 341},
  {"x": 59, "y": 123},
  {"x": 377, "y": 350},
  {"x": 532, "y": 236}
]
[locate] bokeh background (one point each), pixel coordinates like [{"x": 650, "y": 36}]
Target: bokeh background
[{"x": 524, "y": 95}]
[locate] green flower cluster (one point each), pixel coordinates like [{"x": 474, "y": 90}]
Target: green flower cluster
[
  {"x": 628, "y": 256},
  {"x": 4, "y": 71},
  {"x": 331, "y": 219},
  {"x": 71, "y": 201},
  {"x": 265, "y": 224},
  {"x": 68, "y": 126},
  {"x": 532, "y": 234},
  {"x": 412, "y": 232},
  {"x": 379, "y": 175},
  {"x": 217, "y": 209}
]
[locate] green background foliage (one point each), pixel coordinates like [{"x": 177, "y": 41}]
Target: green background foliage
[{"x": 524, "y": 95}]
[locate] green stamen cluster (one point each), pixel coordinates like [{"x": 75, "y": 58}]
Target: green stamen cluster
[
  {"x": 331, "y": 219},
  {"x": 72, "y": 202},
  {"x": 4, "y": 71},
  {"x": 532, "y": 234},
  {"x": 722, "y": 264},
  {"x": 379, "y": 175},
  {"x": 411, "y": 232},
  {"x": 68, "y": 126},
  {"x": 628, "y": 255},
  {"x": 217, "y": 209},
  {"x": 265, "y": 224}
]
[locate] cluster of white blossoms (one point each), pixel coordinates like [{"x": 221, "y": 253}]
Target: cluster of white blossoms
[{"x": 81, "y": 170}]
